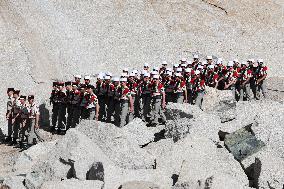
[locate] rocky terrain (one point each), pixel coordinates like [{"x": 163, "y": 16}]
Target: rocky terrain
[{"x": 228, "y": 145}]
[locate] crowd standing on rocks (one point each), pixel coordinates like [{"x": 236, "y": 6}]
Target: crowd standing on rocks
[{"x": 142, "y": 94}]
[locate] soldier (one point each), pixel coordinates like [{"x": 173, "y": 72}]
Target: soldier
[
  {"x": 75, "y": 103},
  {"x": 16, "y": 118},
  {"x": 69, "y": 95},
  {"x": 61, "y": 100},
  {"x": 212, "y": 77},
  {"x": 33, "y": 121},
  {"x": 55, "y": 105},
  {"x": 187, "y": 79},
  {"x": 146, "y": 96},
  {"x": 108, "y": 89},
  {"x": 126, "y": 102},
  {"x": 180, "y": 91},
  {"x": 146, "y": 67},
  {"x": 23, "y": 115},
  {"x": 84, "y": 99},
  {"x": 100, "y": 92},
  {"x": 231, "y": 78},
  {"x": 78, "y": 80},
  {"x": 195, "y": 61},
  {"x": 92, "y": 104},
  {"x": 198, "y": 87},
  {"x": 245, "y": 75},
  {"x": 132, "y": 85},
  {"x": 182, "y": 61},
  {"x": 9, "y": 113},
  {"x": 209, "y": 60},
  {"x": 158, "y": 101},
  {"x": 87, "y": 80},
  {"x": 162, "y": 70},
  {"x": 116, "y": 101},
  {"x": 169, "y": 85},
  {"x": 261, "y": 76}
]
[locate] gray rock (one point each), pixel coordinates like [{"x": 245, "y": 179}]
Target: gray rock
[
  {"x": 122, "y": 148},
  {"x": 139, "y": 185},
  {"x": 73, "y": 184},
  {"x": 14, "y": 182}
]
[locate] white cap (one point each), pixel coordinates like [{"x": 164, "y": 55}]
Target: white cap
[
  {"x": 154, "y": 73},
  {"x": 143, "y": 72},
  {"x": 107, "y": 77},
  {"x": 164, "y": 63},
  {"x": 189, "y": 62},
  {"x": 211, "y": 66},
  {"x": 204, "y": 63},
  {"x": 230, "y": 63},
  {"x": 155, "y": 69},
  {"x": 260, "y": 60},
  {"x": 195, "y": 56},
  {"x": 236, "y": 60},
  {"x": 109, "y": 74},
  {"x": 175, "y": 65},
  {"x": 100, "y": 76},
  {"x": 219, "y": 61},
  {"x": 209, "y": 58},
  {"x": 87, "y": 77},
  {"x": 123, "y": 79},
  {"x": 179, "y": 69},
  {"x": 146, "y": 74},
  {"x": 197, "y": 72},
  {"x": 116, "y": 79},
  {"x": 124, "y": 75},
  {"x": 243, "y": 63},
  {"x": 132, "y": 75},
  {"x": 156, "y": 76},
  {"x": 78, "y": 76},
  {"x": 187, "y": 70},
  {"x": 183, "y": 65},
  {"x": 199, "y": 67},
  {"x": 135, "y": 71},
  {"x": 183, "y": 60},
  {"x": 178, "y": 74},
  {"x": 251, "y": 60},
  {"x": 146, "y": 65},
  {"x": 125, "y": 70},
  {"x": 168, "y": 69}
]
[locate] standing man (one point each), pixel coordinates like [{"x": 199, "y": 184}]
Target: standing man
[
  {"x": 126, "y": 102},
  {"x": 261, "y": 76},
  {"x": 69, "y": 95},
  {"x": 16, "y": 118},
  {"x": 198, "y": 86},
  {"x": 75, "y": 103},
  {"x": 100, "y": 92},
  {"x": 180, "y": 89},
  {"x": 61, "y": 100},
  {"x": 55, "y": 105},
  {"x": 10, "y": 102},
  {"x": 146, "y": 96},
  {"x": 33, "y": 121},
  {"x": 245, "y": 76},
  {"x": 132, "y": 85},
  {"x": 92, "y": 104},
  {"x": 24, "y": 115},
  {"x": 158, "y": 101}
]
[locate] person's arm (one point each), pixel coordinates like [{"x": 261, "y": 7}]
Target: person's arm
[
  {"x": 131, "y": 103},
  {"x": 37, "y": 121},
  {"x": 260, "y": 79},
  {"x": 185, "y": 94},
  {"x": 164, "y": 100},
  {"x": 97, "y": 111}
]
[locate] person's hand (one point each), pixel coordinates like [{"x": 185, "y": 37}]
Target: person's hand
[
  {"x": 97, "y": 117},
  {"x": 131, "y": 109},
  {"x": 37, "y": 126}
]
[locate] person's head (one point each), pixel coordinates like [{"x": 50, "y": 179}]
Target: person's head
[
  {"x": 16, "y": 93},
  {"x": 31, "y": 99},
  {"x": 156, "y": 79},
  {"x": 236, "y": 63},
  {"x": 68, "y": 85},
  {"x": 74, "y": 86},
  {"x": 250, "y": 62},
  {"x": 131, "y": 77},
  {"x": 260, "y": 62},
  {"x": 146, "y": 77},
  {"x": 78, "y": 78},
  {"x": 123, "y": 81},
  {"x": 243, "y": 64},
  {"x": 87, "y": 79},
  {"x": 178, "y": 76},
  {"x": 60, "y": 86},
  {"x": 107, "y": 79},
  {"x": 83, "y": 88},
  {"x": 90, "y": 89},
  {"x": 146, "y": 66},
  {"x": 164, "y": 64},
  {"x": 189, "y": 64},
  {"x": 116, "y": 81},
  {"x": 197, "y": 74},
  {"x": 23, "y": 99},
  {"x": 230, "y": 64},
  {"x": 209, "y": 59},
  {"x": 54, "y": 85},
  {"x": 10, "y": 91},
  {"x": 196, "y": 58}
]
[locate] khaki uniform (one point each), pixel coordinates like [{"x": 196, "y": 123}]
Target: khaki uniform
[
  {"x": 17, "y": 122},
  {"x": 146, "y": 100},
  {"x": 156, "y": 94},
  {"x": 33, "y": 136}
]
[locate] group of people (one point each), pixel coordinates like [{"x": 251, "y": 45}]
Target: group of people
[
  {"x": 145, "y": 93},
  {"x": 23, "y": 119},
  {"x": 134, "y": 93}
]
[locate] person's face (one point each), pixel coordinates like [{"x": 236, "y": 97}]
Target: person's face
[
  {"x": 60, "y": 88},
  {"x": 87, "y": 81},
  {"x": 209, "y": 61},
  {"x": 10, "y": 93},
  {"x": 146, "y": 78},
  {"x": 107, "y": 81},
  {"x": 116, "y": 83},
  {"x": 123, "y": 83},
  {"x": 164, "y": 65},
  {"x": 156, "y": 81},
  {"x": 195, "y": 59},
  {"x": 77, "y": 80},
  {"x": 74, "y": 88},
  {"x": 23, "y": 101},
  {"x": 15, "y": 95},
  {"x": 31, "y": 101},
  {"x": 131, "y": 79},
  {"x": 68, "y": 87},
  {"x": 146, "y": 67}
]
